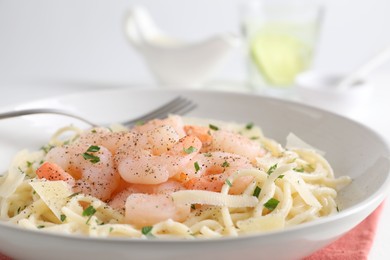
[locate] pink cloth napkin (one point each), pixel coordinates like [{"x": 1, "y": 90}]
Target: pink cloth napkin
[{"x": 355, "y": 245}]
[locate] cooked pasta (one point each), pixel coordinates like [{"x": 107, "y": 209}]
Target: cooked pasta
[{"x": 172, "y": 178}]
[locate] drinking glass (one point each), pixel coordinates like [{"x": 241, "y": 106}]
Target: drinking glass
[{"x": 281, "y": 36}]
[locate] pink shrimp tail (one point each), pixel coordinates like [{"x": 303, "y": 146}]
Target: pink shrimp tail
[{"x": 53, "y": 172}]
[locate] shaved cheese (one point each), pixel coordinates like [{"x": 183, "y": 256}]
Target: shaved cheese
[
  {"x": 11, "y": 182},
  {"x": 55, "y": 194},
  {"x": 294, "y": 142},
  {"x": 15, "y": 176},
  {"x": 214, "y": 198},
  {"x": 262, "y": 223},
  {"x": 299, "y": 184}
]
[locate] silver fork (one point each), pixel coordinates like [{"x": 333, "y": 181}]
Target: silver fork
[{"x": 178, "y": 106}]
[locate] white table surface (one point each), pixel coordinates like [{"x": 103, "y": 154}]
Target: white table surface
[{"x": 376, "y": 116}]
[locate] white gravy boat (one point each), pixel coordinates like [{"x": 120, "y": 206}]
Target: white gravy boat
[{"x": 172, "y": 61}]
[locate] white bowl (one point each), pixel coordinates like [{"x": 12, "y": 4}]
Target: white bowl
[
  {"x": 320, "y": 89},
  {"x": 351, "y": 148}
]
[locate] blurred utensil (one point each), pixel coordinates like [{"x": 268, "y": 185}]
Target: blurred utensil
[
  {"x": 179, "y": 106},
  {"x": 365, "y": 69}
]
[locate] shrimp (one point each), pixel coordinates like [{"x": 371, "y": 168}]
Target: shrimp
[
  {"x": 158, "y": 138},
  {"x": 104, "y": 137},
  {"x": 214, "y": 168},
  {"x": 157, "y": 141},
  {"x": 149, "y": 209},
  {"x": 91, "y": 173},
  {"x": 148, "y": 166},
  {"x": 173, "y": 121},
  {"x": 203, "y": 133},
  {"x": 149, "y": 204},
  {"x": 118, "y": 201},
  {"x": 53, "y": 172},
  {"x": 226, "y": 141},
  {"x": 235, "y": 143}
]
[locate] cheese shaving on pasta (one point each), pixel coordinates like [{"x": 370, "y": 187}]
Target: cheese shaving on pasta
[{"x": 214, "y": 198}]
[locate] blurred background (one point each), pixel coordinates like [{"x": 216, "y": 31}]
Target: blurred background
[
  {"x": 76, "y": 42},
  {"x": 55, "y": 47}
]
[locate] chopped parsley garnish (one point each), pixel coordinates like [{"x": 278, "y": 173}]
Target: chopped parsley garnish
[
  {"x": 337, "y": 208},
  {"x": 257, "y": 191},
  {"x": 111, "y": 229},
  {"x": 213, "y": 127},
  {"x": 254, "y": 137},
  {"x": 228, "y": 183},
  {"x": 40, "y": 226},
  {"x": 63, "y": 217},
  {"x": 141, "y": 122},
  {"x": 271, "y": 204},
  {"x": 189, "y": 150},
  {"x": 197, "y": 167},
  {"x": 89, "y": 212},
  {"x": 90, "y": 157},
  {"x": 93, "y": 149},
  {"x": 249, "y": 126},
  {"x": 47, "y": 148},
  {"x": 93, "y": 131},
  {"x": 272, "y": 168},
  {"x": 29, "y": 164},
  {"x": 146, "y": 230},
  {"x": 281, "y": 176},
  {"x": 192, "y": 206},
  {"x": 74, "y": 194},
  {"x": 207, "y": 154},
  {"x": 225, "y": 164},
  {"x": 299, "y": 169}
]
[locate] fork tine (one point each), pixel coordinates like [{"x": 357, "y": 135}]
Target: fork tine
[
  {"x": 168, "y": 109},
  {"x": 180, "y": 109},
  {"x": 176, "y": 108},
  {"x": 187, "y": 109},
  {"x": 183, "y": 109},
  {"x": 178, "y": 105},
  {"x": 155, "y": 112}
]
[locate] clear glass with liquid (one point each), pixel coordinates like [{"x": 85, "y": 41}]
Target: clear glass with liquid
[{"x": 281, "y": 38}]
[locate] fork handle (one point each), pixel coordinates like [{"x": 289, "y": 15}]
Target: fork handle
[{"x": 33, "y": 111}]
